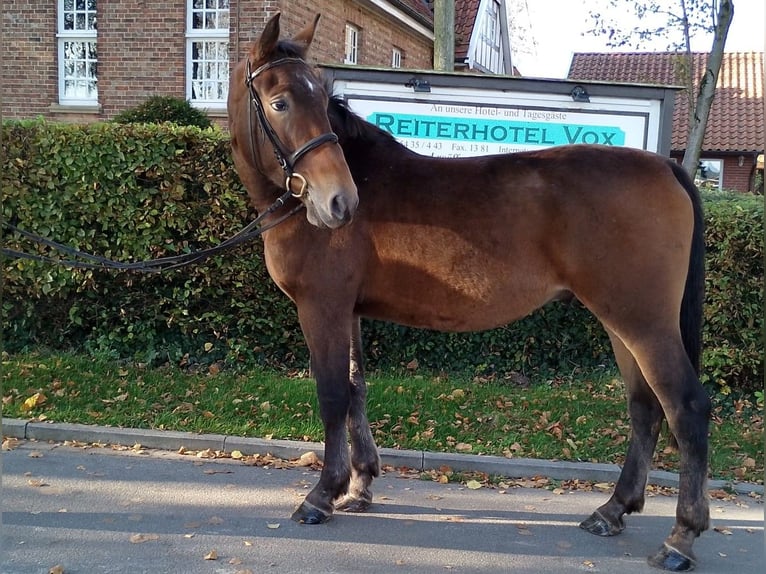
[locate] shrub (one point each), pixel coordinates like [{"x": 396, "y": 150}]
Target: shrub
[
  {"x": 159, "y": 109},
  {"x": 132, "y": 192}
]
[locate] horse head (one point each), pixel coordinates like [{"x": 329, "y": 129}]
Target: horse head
[{"x": 279, "y": 126}]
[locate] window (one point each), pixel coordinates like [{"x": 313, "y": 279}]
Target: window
[
  {"x": 77, "y": 61},
  {"x": 352, "y": 45},
  {"x": 709, "y": 173},
  {"x": 207, "y": 52},
  {"x": 396, "y": 58}
]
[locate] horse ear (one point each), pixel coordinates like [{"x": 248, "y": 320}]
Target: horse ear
[
  {"x": 264, "y": 47},
  {"x": 305, "y": 36}
]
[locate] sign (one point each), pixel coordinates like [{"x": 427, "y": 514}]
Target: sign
[{"x": 467, "y": 115}]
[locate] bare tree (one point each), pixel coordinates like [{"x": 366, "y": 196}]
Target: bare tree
[{"x": 677, "y": 22}]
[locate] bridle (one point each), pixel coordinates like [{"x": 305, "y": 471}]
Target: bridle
[{"x": 287, "y": 161}]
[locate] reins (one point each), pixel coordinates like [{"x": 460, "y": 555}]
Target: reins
[
  {"x": 249, "y": 232},
  {"x": 287, "y": 162}
]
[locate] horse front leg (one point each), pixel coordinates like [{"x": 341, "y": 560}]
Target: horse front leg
[
  {"x": 365, "y": 462},
  {"x": 327, "y": 339}
]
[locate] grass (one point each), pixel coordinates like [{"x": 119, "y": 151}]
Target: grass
[{"x": 569, "y": 419}]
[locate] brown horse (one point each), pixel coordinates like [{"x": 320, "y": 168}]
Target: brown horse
[{"x": 470, "y": 244}]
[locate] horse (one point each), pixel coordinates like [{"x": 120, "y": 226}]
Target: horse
[{"x": 466, "y": 244}]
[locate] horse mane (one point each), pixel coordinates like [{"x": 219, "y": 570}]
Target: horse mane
[{"x": 349, "y": 126}]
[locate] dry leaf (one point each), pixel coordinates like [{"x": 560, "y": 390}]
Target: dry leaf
[
  {"x": 37, "y": 482},
  {"x": 308, "y": 459},
  {"x": 248, "y": 543},
  {"x": 215, "y": 520},
  {"x": 10, "y": 443},
  {"x": 237, "y": 454},
  {"x": 141, "y": 538},
  {"x": 57, "y": 569},
  {"x": 722, "y": 530},
  {"x": 273, "y": 525},
  {"x": 212, "y": 555},
  {"x": 473, "y": 485},
  {"x": 246, "y": 571},
  {"x": 463, "y": 447},
  {"x": 235, "y": 561},
  {"x": 34, "y": 401},
  {"x": 35, "y": 454}
]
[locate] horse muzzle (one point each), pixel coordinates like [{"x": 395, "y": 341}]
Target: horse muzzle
[{"x": 333, "y": 211}]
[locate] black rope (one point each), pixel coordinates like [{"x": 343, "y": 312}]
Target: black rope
[{"x": 248, "y": 233}]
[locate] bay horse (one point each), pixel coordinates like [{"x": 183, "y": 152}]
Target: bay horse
[{"x": 469, "y": 244}]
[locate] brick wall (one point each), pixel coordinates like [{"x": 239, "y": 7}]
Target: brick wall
[
  {"x": 142, "y": 48},
  {"x": 30, "y": 75},
  {"x": 736, "y": 177},
  {"x": 141, "y": 52}
]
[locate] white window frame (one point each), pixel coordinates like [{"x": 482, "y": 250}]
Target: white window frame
[
  {"x": 216, "y": 36},
  {"x": 351, "y": 45},
  {"x": 396, "y": 57},
  {"x": 87, "y": 35}
]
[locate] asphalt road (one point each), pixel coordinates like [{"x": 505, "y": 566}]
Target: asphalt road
[{"x": 97, "y": 510}]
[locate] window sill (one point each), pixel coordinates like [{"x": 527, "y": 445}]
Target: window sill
[{"x": 72, "y": 109}]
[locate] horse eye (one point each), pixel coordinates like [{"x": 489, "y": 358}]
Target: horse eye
[{"x": 279, "y": 106}]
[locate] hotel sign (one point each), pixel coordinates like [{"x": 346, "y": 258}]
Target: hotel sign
[{"x": 467, "y": 115}]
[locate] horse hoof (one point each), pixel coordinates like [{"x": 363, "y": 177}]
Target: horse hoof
[
  {"x": 598, "y": 525},
  {"x": 668, "y": 558},
  {"x": 353, "y": 504},
  {"x": 307, "y": 513}
]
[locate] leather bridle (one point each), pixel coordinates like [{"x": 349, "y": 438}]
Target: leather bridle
[{"x": 287, "y": 161}]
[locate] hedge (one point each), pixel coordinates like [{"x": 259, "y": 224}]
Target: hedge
[{"x": 132, "y": 192}]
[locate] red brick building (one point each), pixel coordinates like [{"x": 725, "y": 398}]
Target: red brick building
[
  {"x": 86, "y": 60},
  {"x": 732, "y": 151}
]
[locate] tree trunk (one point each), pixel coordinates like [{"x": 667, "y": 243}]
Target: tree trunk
[{"x": 706, "y": 92}]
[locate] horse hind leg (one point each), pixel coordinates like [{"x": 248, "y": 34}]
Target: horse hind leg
[
  {"x": 667, "y": 371},
  {"x": 365, "y": 462},
  {"x": 645, "y": 417}
]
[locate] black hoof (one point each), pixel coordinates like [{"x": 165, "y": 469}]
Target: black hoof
[
  {"x": 353, "y": 504},
  {"x": 668, "y": 558},
  {"x": 307, "y": 513},
  {"x": 598, "y": 525}
]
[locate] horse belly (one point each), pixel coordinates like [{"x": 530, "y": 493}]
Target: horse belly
[{"x": 474, "y": 299}]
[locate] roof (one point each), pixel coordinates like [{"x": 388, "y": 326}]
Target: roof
[
  {"x": 465, "y": 18},
  {"x": 422, "y": 9},
  {"x": 736, "y": 121}
]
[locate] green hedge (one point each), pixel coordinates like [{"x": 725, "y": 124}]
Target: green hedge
[{"x": 133, "y": 192}]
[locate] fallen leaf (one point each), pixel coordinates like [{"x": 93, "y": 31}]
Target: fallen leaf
[
  {"x": 215, "y": 520},
  {"x": 34, "y": 401},
  {"x": 237, "y": 454},
  {"x": 35, "y": 454},
  {"x": 588, "y": 564},
  {"x": 212, "y": 555},
  {"x": 272, "y": 525},
  {"x": 308, "y": 459},
  {"x": 246, "y": 571},
  {"x": 722, "y": 530},
  {"x": 37, "y": 482},
  {"x": 473, "y": 485},
  {"x": 463, "y": 447},
  {"x": 141, "y": 538},
  {"x": 57, "y": 569},
  {"x": 191, "y": 535},
  {"x": 248, "y": 543},
  {"x": 235, "y": 561}
]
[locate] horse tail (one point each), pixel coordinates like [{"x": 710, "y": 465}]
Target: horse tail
[{"x": 694, "y": 290}]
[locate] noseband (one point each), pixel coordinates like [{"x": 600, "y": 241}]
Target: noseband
[{"x": 286, "y": 160}]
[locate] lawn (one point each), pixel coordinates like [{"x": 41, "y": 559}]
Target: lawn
[{"x": 575, "y": 418}]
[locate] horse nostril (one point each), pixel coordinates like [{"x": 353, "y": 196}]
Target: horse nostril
[{"x": 339, "y": 208}]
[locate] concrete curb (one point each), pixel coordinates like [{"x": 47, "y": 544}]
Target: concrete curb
[{"x": 418, "y": 460}]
